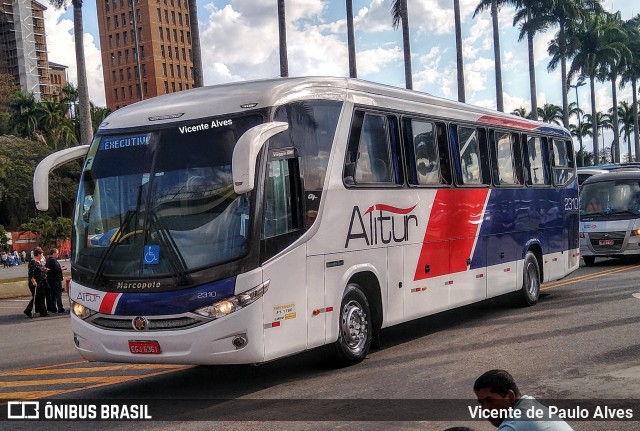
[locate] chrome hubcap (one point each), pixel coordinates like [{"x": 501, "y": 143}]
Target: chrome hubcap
[
  {"x": 534, "y": 286},
  {"x": 353, "y": 326}
]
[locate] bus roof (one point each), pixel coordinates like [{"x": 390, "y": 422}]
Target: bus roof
[{"x": 242, "y": 96}]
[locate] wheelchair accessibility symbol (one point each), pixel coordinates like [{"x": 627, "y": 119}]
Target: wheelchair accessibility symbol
[{"x": 151, "y": 254}]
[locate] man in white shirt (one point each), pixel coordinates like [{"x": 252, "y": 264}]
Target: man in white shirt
[{"x": 496, "y": 390}]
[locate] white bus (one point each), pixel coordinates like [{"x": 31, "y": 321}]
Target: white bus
[
  {"x": 610, "y": 215},
  {"x": 244, "y": 222}
]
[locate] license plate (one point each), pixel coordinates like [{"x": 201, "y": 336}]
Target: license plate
[
  {"x": 144, "y": 347},
  {"x": 605, "y": 242}
]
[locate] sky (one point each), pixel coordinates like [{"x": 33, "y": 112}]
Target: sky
[{"x": 240, "y": 42}]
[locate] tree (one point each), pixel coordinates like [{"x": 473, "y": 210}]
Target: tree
[
  {"x": 631, "y": 73},
  {"x": 581, "y": 130},
  {"x": 351, "y": 41},
  {"x": 459, "y": 58},
  {"x": 550, "y": 113},
  {"x": 3, "y": 238},
  {"x": 400, "y": 14},
  {"x": 530, "y": 14},
  {"x": 84, "y": 108},
  {"x": 567, "y": 14},
  {"x": 198, "y": 79},
  {"x": 612, "y": 67},
  {"x": 603, "y": 122},
  {"x": 8, "y": 88},
  {"x": 493, "y": 5},
  {"x": 282, "y": 37},
  {"x": 521, "y": 112},
  {"x": 51, "y": 231},
  {"x": 98, "y": 115},
  {"x": 625, "y": 124},
  {"x": 24, "y": 111}
]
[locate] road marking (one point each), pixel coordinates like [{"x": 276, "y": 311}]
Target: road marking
[
  {"x": 636, "y": 295},
  {"x": 15, "y": 389},
  {"x": 587, "y": 277}
]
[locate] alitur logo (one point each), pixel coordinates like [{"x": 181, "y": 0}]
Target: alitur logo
[{"x": 380, "y": 223}]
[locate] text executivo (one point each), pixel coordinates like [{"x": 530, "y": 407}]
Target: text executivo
[{"x": 112, "y": 143}]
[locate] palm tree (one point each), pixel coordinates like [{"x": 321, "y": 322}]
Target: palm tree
[
  {"x": 531, "y": 16},
  {"x": 459, "y": 59},
  {"x": 567, "y": 14},
  {"x": 98, "y": 115},
  {"x": 282, "y": 36},
  {"x": 613, "y": 66},
  {"x": 550, "y": 113},
  {"x": 521, "y": 112},
  {"x": 198, "y": 79},
  {"x": 581, "y": 130},
  {"x": 400, "y": 14},
  {"x": 84, "y": 111},
  {"x": 632, "y": 73},
  {"x": 625, "y": 125},
  {"x": 493, "y": 4},
  {"x": 351, "y": 41},
  {"x": 24, "y": 118},
  {"x": 588, "y": 46},
  {"x": 603, "y": 121}
]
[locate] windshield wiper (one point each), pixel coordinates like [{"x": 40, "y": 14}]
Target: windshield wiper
[{"x": 176, "y": 260}]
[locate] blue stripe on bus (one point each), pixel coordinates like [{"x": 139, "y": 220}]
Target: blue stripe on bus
[{"x": 176, "y": 302}]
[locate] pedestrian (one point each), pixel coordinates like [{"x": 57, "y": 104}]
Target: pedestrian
[
  {"x": 54, "y": 279},
  {"x": 24, "y": 256},
  {"x": 497, "y": 390},
  {"x": 37, "y": 285}
]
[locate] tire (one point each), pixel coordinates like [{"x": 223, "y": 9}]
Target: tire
[
  {"x": 530, "y": 291},
  {"x": 589, "y": 260},
  {"x": 355, "y": 330}
]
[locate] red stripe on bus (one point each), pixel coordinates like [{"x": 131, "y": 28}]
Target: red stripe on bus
[
  {"x": 451, "y": 232},
  {"x": 389, "y": 208},
  {"x": 106, "y": 306},
  {"x": 512, "y": 122}
]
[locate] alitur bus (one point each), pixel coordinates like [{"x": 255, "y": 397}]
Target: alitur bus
[{"x": 245, "y": 222}]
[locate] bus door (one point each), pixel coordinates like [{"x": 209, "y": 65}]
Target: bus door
[{"x": 285, "y": 303}]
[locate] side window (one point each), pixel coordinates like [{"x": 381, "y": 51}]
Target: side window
[
  {"x": 370, "y": 158},
  {"x": 470, "y": 156},
  {"x": 281, "y": 203},
  {"x": 562, "y": 161},
  {"x": 425, "y": 150},
  {"x": 538, "y": 169},
  {"x": 507, "y": 158}
]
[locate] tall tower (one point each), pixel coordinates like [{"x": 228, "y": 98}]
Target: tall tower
[
  {"x": 146, "y": 49},
  {"x": 24, "y": 46}
]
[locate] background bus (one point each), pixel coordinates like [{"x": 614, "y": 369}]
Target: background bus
[
  {"x": 610, "y": 215},
  {"x": 244, "y": 222}
]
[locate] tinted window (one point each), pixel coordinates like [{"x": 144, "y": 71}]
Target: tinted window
[{"x": 470, "y": 159}]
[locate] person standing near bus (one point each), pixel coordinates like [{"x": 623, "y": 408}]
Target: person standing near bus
[
  {"x": 37, "y": 285},
  {"x": 54, "y": 279},
  {"x": 497, "y": 390}
]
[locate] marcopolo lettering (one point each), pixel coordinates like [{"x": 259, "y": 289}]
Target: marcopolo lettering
[
  {"x": 137, "y": 284},
  {"x": 380, "y": 223}
]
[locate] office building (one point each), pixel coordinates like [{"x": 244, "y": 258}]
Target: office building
[
  {"x": 146, "y": 49},
  {"x": 23, "y": 46}
]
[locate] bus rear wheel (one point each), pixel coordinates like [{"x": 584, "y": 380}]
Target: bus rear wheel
[
  {"x": 355, "y": 330},
  {"x": 530, "y": 291}
]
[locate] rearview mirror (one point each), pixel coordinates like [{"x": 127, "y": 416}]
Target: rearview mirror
[{"x": 245, "y": 154}]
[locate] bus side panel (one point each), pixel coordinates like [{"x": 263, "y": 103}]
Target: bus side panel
[
  {"x": 337, "y": 277},
  {"x": 425, "y": 294},
  {"x": 285, "y": 303},
  {"x": 467, "y": 286},
  {"x": 397, "y": 286},
  {"x": 316, "y": 309},
  {"x": 502, "y": 269}
]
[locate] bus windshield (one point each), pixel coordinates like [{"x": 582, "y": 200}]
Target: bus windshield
[
  {"x": 618, "y": 199},
  {"x": 162, "y": 203}
]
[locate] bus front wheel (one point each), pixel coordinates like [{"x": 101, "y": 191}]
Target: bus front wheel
[
  {"x": 530, "y": 291},
  {"x": 355, "y": 330}
]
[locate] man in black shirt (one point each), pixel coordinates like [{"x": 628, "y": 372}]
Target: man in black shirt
[{"x": 54, "y": 278}]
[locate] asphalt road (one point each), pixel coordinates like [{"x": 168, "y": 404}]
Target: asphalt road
[{"x": 580, "y": 342}]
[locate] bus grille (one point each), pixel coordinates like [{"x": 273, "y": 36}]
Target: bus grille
[
  {"x": 161, "y": 324},
  {"x": 597, "y": 239}
]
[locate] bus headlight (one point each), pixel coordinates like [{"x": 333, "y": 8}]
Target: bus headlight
[
  {"x": 635, "y": 232},
  {"x": 229, "y": 305},
  {"x": 81, "y": 311}
]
